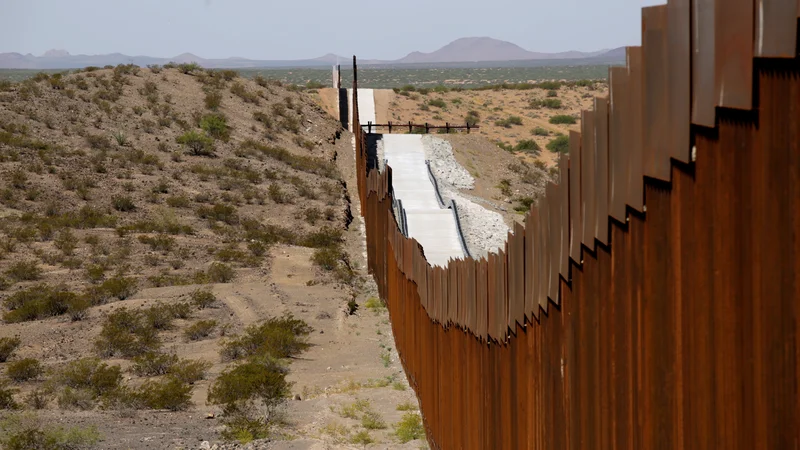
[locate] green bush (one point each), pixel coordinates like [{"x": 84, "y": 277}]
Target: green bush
[
  {"x": 409, "y": 428},
  {"x": 277, "y": 337},
  {"x": 549, "y": 85},
  {"x": 8, "y": 345},
  {"x": 198, "y": 143},
  {"x": 220, "y": 273},
  {"x": 472, "y": 118},
  {"x": 24, "y": 369},
  {"x": 437, "y": 102},
  {"x": 200, "y": 329},
  {"x": 24, "y": 271},
  {"x": 188, "y": 68},
  {"x": 203, "y": 298},
  {"x": 92, "y": 375},
  {"x": 278, "y": 195},
  {"x": 26, "y": 432},
  {"x": 539, "y": 131},
  {"x": 169, "y": 393},
  {"x": 119, "y": 287},
  {"x": 527, "y": 145},
  {"x": 126, "y": 333},
  {"x": 7, "y": 397},
  {"x": 38, "y": 302},
  {"x": 550, "y": 103},
  {"x": 80, "y": 399},
  {"x": 563, "y": 119},
  {"x": 123, "y": 203},
  {"x": 219, "y": 212},
  {"x": 239, "y": 90},
  {"x": 372, "y": 420},
  {"x": 213, "y": 100},
  {"x": 190, "y": 371},
  {"x": 509, "y": 122},
  {"x": 559, "y": 144},
  {"x": 159, "y": 243},
  {"x": 258, "y": 381},
  {"x": 152, "y": 364},
  {"x": 216, "y": 126}
]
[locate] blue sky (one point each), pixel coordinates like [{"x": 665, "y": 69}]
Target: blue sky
[{"x": 292, "y": 29}]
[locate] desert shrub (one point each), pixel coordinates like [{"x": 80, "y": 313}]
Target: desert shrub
[
  {"x": 80, "y": 399},
  {"x": 327, "y": 258},
  {"x": 264, "y": 119},
  {"x": 362, "y": 438},
  {"x": 200, "y": 329},
  {"x": 92, "y": 375},
  {"x": 220, "y": 273},
  {"x": 66, "y": 242},
  {"x": 126, "y": 333},
  {"x": 98, "y": 142},
  {"x": 472, "y": 118},
  {"x": 509, "y": 122},
  {"x": 159, "y": 242},
  {"x": 437, "y": 102},
  {"x": 123, "y": 203},
  {"x": 302, "y": 163},
  {"x": 155, "y": 68},
  {"x": 8, "y": 345},
  {"x": 409, "y": 428},
  {"x": 549, "y": 85},
  {"x": 539, "y": 131},
  {"x": 203, "y": 298},
  {"x": 37, "y": 302},
  {"x": 178, "y": 201},
  {"x": 562, "y": 119},
  {"x": 188, "y": 68},
  {"x": 78, "y": 308},
  {"x": 198, "y": 143},
  {"x": 219, "y": 212},
  {"x": 152, "y": 364},
  {"x": 24, "y": 271},
  {"x": 559, "y": 145},
  {"x": 216, "y": 126},
  {"x": 239, "y": 90},
  {"x": 7, "y": 400},
  {"x": 213, "y": 99},
  {"x": 169, "y": 393},
  {"x": 527, "y": 145},
  {"x": 524, "y": 204},
  {"x": 277, "y": 337},
  {"x": 26, "y": 432},
  {"x": 278, "y": 195},
  {"x": 256, "y": 382},
  {"x": 119, "y": 287},
  {"x": 190, "y": 371},
  {"x": 372, "y": 420},
  {"x": 24, "y": 369},
  {"x": 38, "y": 398}
]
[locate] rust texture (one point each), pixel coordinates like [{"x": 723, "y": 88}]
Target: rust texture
[{"x": 682, "y": 331}]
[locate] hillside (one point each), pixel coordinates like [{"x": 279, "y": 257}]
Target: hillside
[{"x": 160, "y": 228}]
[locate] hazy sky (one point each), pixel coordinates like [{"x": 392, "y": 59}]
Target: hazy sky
[{"x": 296, "y": 29}]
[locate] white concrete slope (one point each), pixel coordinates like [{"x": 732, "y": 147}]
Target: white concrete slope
[
  {"x": 432, "y": 226},
  {"x": 366, "y": 107}
]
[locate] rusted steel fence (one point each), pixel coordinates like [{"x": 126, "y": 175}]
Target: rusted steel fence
[{"x": 651, "y": 300}]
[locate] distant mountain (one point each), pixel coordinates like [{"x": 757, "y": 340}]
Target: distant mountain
[
  {"x": 480, "y": 49},
  {"x": 61, "y": 59},
  {"x": 476, "y": 51}
]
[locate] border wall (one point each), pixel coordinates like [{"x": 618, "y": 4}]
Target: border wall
[{"x": 651, "y": 300}]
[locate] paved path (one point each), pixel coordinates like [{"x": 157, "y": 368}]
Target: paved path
[
  {"x": 434, "y": 227},
  {"x": 366, "y": 107},
  {"x": 431, "y": 225}
]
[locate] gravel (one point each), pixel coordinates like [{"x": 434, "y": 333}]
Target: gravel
[
  {"x": 444, "y": 165},
  {"x": 484, "y": 231}
]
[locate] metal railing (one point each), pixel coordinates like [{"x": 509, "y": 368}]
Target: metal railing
[{"x": 424, "y": 128}]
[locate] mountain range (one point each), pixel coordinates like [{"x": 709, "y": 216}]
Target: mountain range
[{"x": 462, "y": 51}]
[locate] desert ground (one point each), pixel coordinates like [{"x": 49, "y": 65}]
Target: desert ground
[{"x": 153, "y": 221}]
